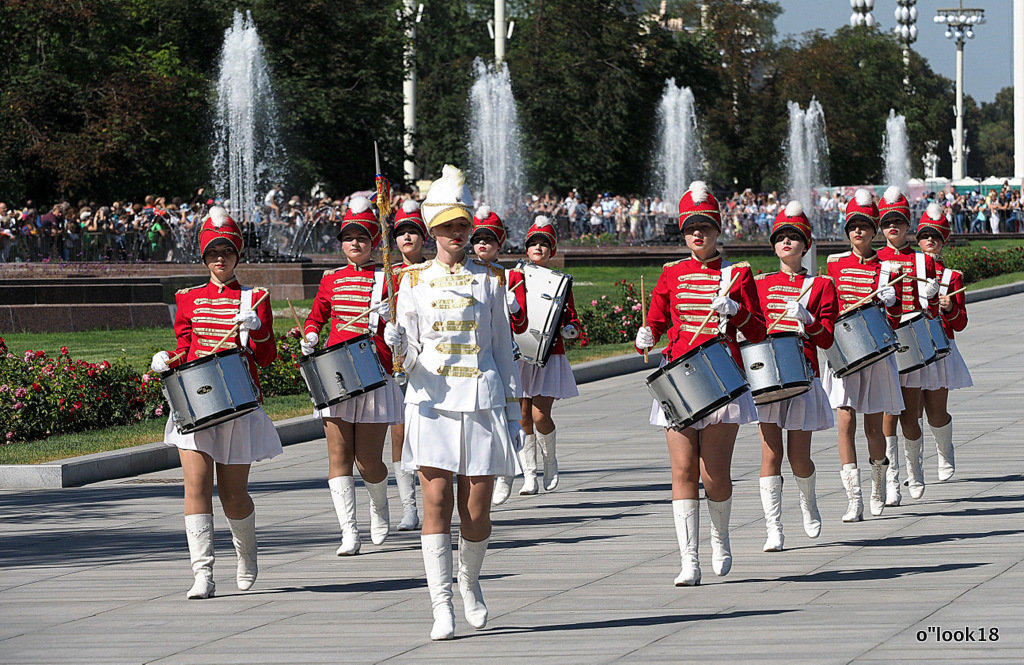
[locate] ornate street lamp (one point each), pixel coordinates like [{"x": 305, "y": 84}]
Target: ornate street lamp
[
  {"x": 960, "y": 23},
  {"x": 862, "y": 13}
]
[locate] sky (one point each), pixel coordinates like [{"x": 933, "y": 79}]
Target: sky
[{"x": 988, "y": 58}]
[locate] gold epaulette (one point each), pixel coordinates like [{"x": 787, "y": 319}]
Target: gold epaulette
[
  {"x": 415, "y": 266},
  {"x": 837, "y": 257},
  {"x": 673, "y": 263},
  {"x": 331, "y": 271},
  {"x": 187, "y": 289},
  {"x": 496, "y": 270},
  {"x": 414, "y": 273},
  {"x": 762, "y": 275},
  {"x": 741, "y": 264}
]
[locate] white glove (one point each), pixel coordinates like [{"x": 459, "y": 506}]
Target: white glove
[
  {"x": 395, "y": 337},
  {"x": 645, "y": 338},
  {"x": 725, "y": 305},
  {"x": 159, "y": 363},
  {"x": 570, "y": 332},
  {"x": 513, "y": 304},
  {"x": 887, "y": 294},
  {"x": 930, "y": 289},
  {"x": 384, "y": 309},
  {"x": 797, "y": 311},
  {"x": 248, "y": 320},
  {"x": 308, "y": 343}
]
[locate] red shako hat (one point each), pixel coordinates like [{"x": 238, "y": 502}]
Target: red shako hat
[
  {"x": 862, "y": 207},
  {"x": 487, "y": 220},
  {"x": 409, "y": 215},
  {"x": 934, "y": 218},
  {"x": 542, "y": 227},
  {"x": 894, "y": 204},
  {"x": 219, "y": 227},
  {"x": 792, "y": 217},
  {"x": 361, "y": 213},
  {"x": 699, "y": 203}
]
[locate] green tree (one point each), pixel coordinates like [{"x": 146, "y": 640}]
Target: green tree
[{"x": 994, "y": 143}]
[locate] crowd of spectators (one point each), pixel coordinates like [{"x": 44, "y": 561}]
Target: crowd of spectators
[{"x": 158, "y": 229}]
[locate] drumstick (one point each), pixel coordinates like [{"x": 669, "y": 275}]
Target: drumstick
[
  {"x": 362, "y": 315},
  {"x": 782, "y": 314},
  {"x": 643, "y": 311},
  {"x": 872, "y": 294},
  {"x": 957, "y": 292},
  {"x": 175, "y": 357},
  {"x": 708, "y": 317},
  {"x": 294, "y": 315},
  {"x": 234, "y": 328}
]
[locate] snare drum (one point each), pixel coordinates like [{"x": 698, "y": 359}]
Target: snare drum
[
  {"x": 862, "y": 337},
  {"x": 210, "y": 390},
  {"x": 342, "y": 371},
  {"x": 915, "y": 343},
  {"x": 776, "y": 368},
  {"x": 547, "y": 293},
  {"x": 696, "y": 384},
  {"x": 939, "y": 340}
]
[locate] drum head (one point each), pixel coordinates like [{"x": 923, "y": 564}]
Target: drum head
[{"x": 777, "y": 395}]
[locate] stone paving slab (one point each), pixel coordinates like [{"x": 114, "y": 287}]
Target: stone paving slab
[{"x": 97, "y": 574}]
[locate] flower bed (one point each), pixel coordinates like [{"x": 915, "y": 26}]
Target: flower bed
[
  {"x": 612, "y": 319},
  {"x": 978, "y": 264}
]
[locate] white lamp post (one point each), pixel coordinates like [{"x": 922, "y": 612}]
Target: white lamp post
[{"x": 960, "y": 23}]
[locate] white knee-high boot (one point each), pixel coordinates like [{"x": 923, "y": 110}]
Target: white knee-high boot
[
  {"x": 380, "y": 516},
  {"x": 809, "y": 505},
  {"x": 879, "y": 485},
  {"x": 502, "y": 490},
  {"x": 471, "y": 558},
  {"x": 686, "y": 514},
  {"x": 721, "y": 552},
  {"x": 343, "y": 492},
  {"x": 528, "y": 460},
  {"x": 771, "y": 502},
  {"x": 914, "y": 451},
  {"x": 944, "y": 447},
  {"x": 893, "y": 497},
  {"x": 851, "y": 481},
  {"x": 243, "y": 535},
  {"x": 437, "y": 562},
  {"x": 546, "y": 443},
  {"x": 199, "y": 531},
  {"x": 406, "y": 481}
]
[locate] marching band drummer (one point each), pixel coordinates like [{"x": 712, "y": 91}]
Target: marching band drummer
[
  {"x": 950, "y": 372},
  {"x": 807, "y": 305},
  {"x": 452, "y": 328},
  {"x": 874, "y": 390},
  {"x": 919, "y": 291},
  {"x": 488, "y": 237},
  {"x": 410, "y": 234},
  {"x": 355, "y": 427},
  {"x": 685, "y": 291},
  {"x": 205, "y": 314},
  {"x": 539, "y": 387}
]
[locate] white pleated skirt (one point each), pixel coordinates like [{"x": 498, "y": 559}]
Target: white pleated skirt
[
  {"x": 809, "y": 411},
  {"x": 383, "y": 405},
  {"x": 243, "y": 440},
  {"x": 873, "y": 389},
  {"x": 740, "y": 411},
  {"x": 474, "y": 443},
  {"x": 950, "y": 372},
  {"x": 555, "y": 379}
]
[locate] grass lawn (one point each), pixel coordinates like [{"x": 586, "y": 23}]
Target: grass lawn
[{"x": 124, "y": 436}]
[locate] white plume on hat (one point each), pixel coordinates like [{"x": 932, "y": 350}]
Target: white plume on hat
[
  {"x": 540, "y": 221},
  {"x": 698, "y": 191},
  {"x": 483, "y": 212},
  {"x": 449, "y": 197},
  {"x": 410, "y": 206},
  {"x": 358, "y": 204},
  {"x": 863, "y": 197},
  {"x": 934, "y": 211},
  {"x": 892, "y": 194},
  {"x": 794, "y": 208},
  {"x": 219, "y": 216}
]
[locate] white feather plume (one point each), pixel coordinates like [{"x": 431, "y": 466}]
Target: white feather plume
[
  {"x": 934, "y": 212},
  {"x": 892, "y": 194},
  {"x": 483, "y": 212},
  {"x": 219, "y": 216},
  {"x": 410, "y": 206},
  {"x": 863, "y": 197},
  {"x": 358, "y": 204},
  {"x": 541, "y": 221},
  {"x": 698, "y": 191},
  {"x": 794, "y": 209},
  {"x": 453, "y": 174}
]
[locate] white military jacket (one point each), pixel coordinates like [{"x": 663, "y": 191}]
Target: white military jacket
[{"x": 460, "y": 342}]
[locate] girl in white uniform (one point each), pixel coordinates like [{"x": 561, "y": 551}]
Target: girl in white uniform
[
  {"x": 205, "y": 315},
  {"x": 452, "y": 328}
]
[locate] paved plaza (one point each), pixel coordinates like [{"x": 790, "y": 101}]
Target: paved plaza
[{"x": 98, "y": 574}]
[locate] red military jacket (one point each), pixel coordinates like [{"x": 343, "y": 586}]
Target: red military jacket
[
  {"x": 915, "y": 264},
  {"x": 515, "y": 282},
  {"x": 951, "y": 281},
  {"x": 344, "y": 294},
  {"x": 775, "y": 289},
  {"x": 682, "y": 298},
  {"x": 204, "y": 316},
  {"x": 856, "y": 277}
]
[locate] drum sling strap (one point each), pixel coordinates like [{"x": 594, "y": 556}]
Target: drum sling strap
[
  {"x": 920, "y": 272},
  {"x": 946, "y": 281},
  {"x": 723, "y": 290},
  {"x": 245, "y": 304},
  {"x": 373, "y": 320}
]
